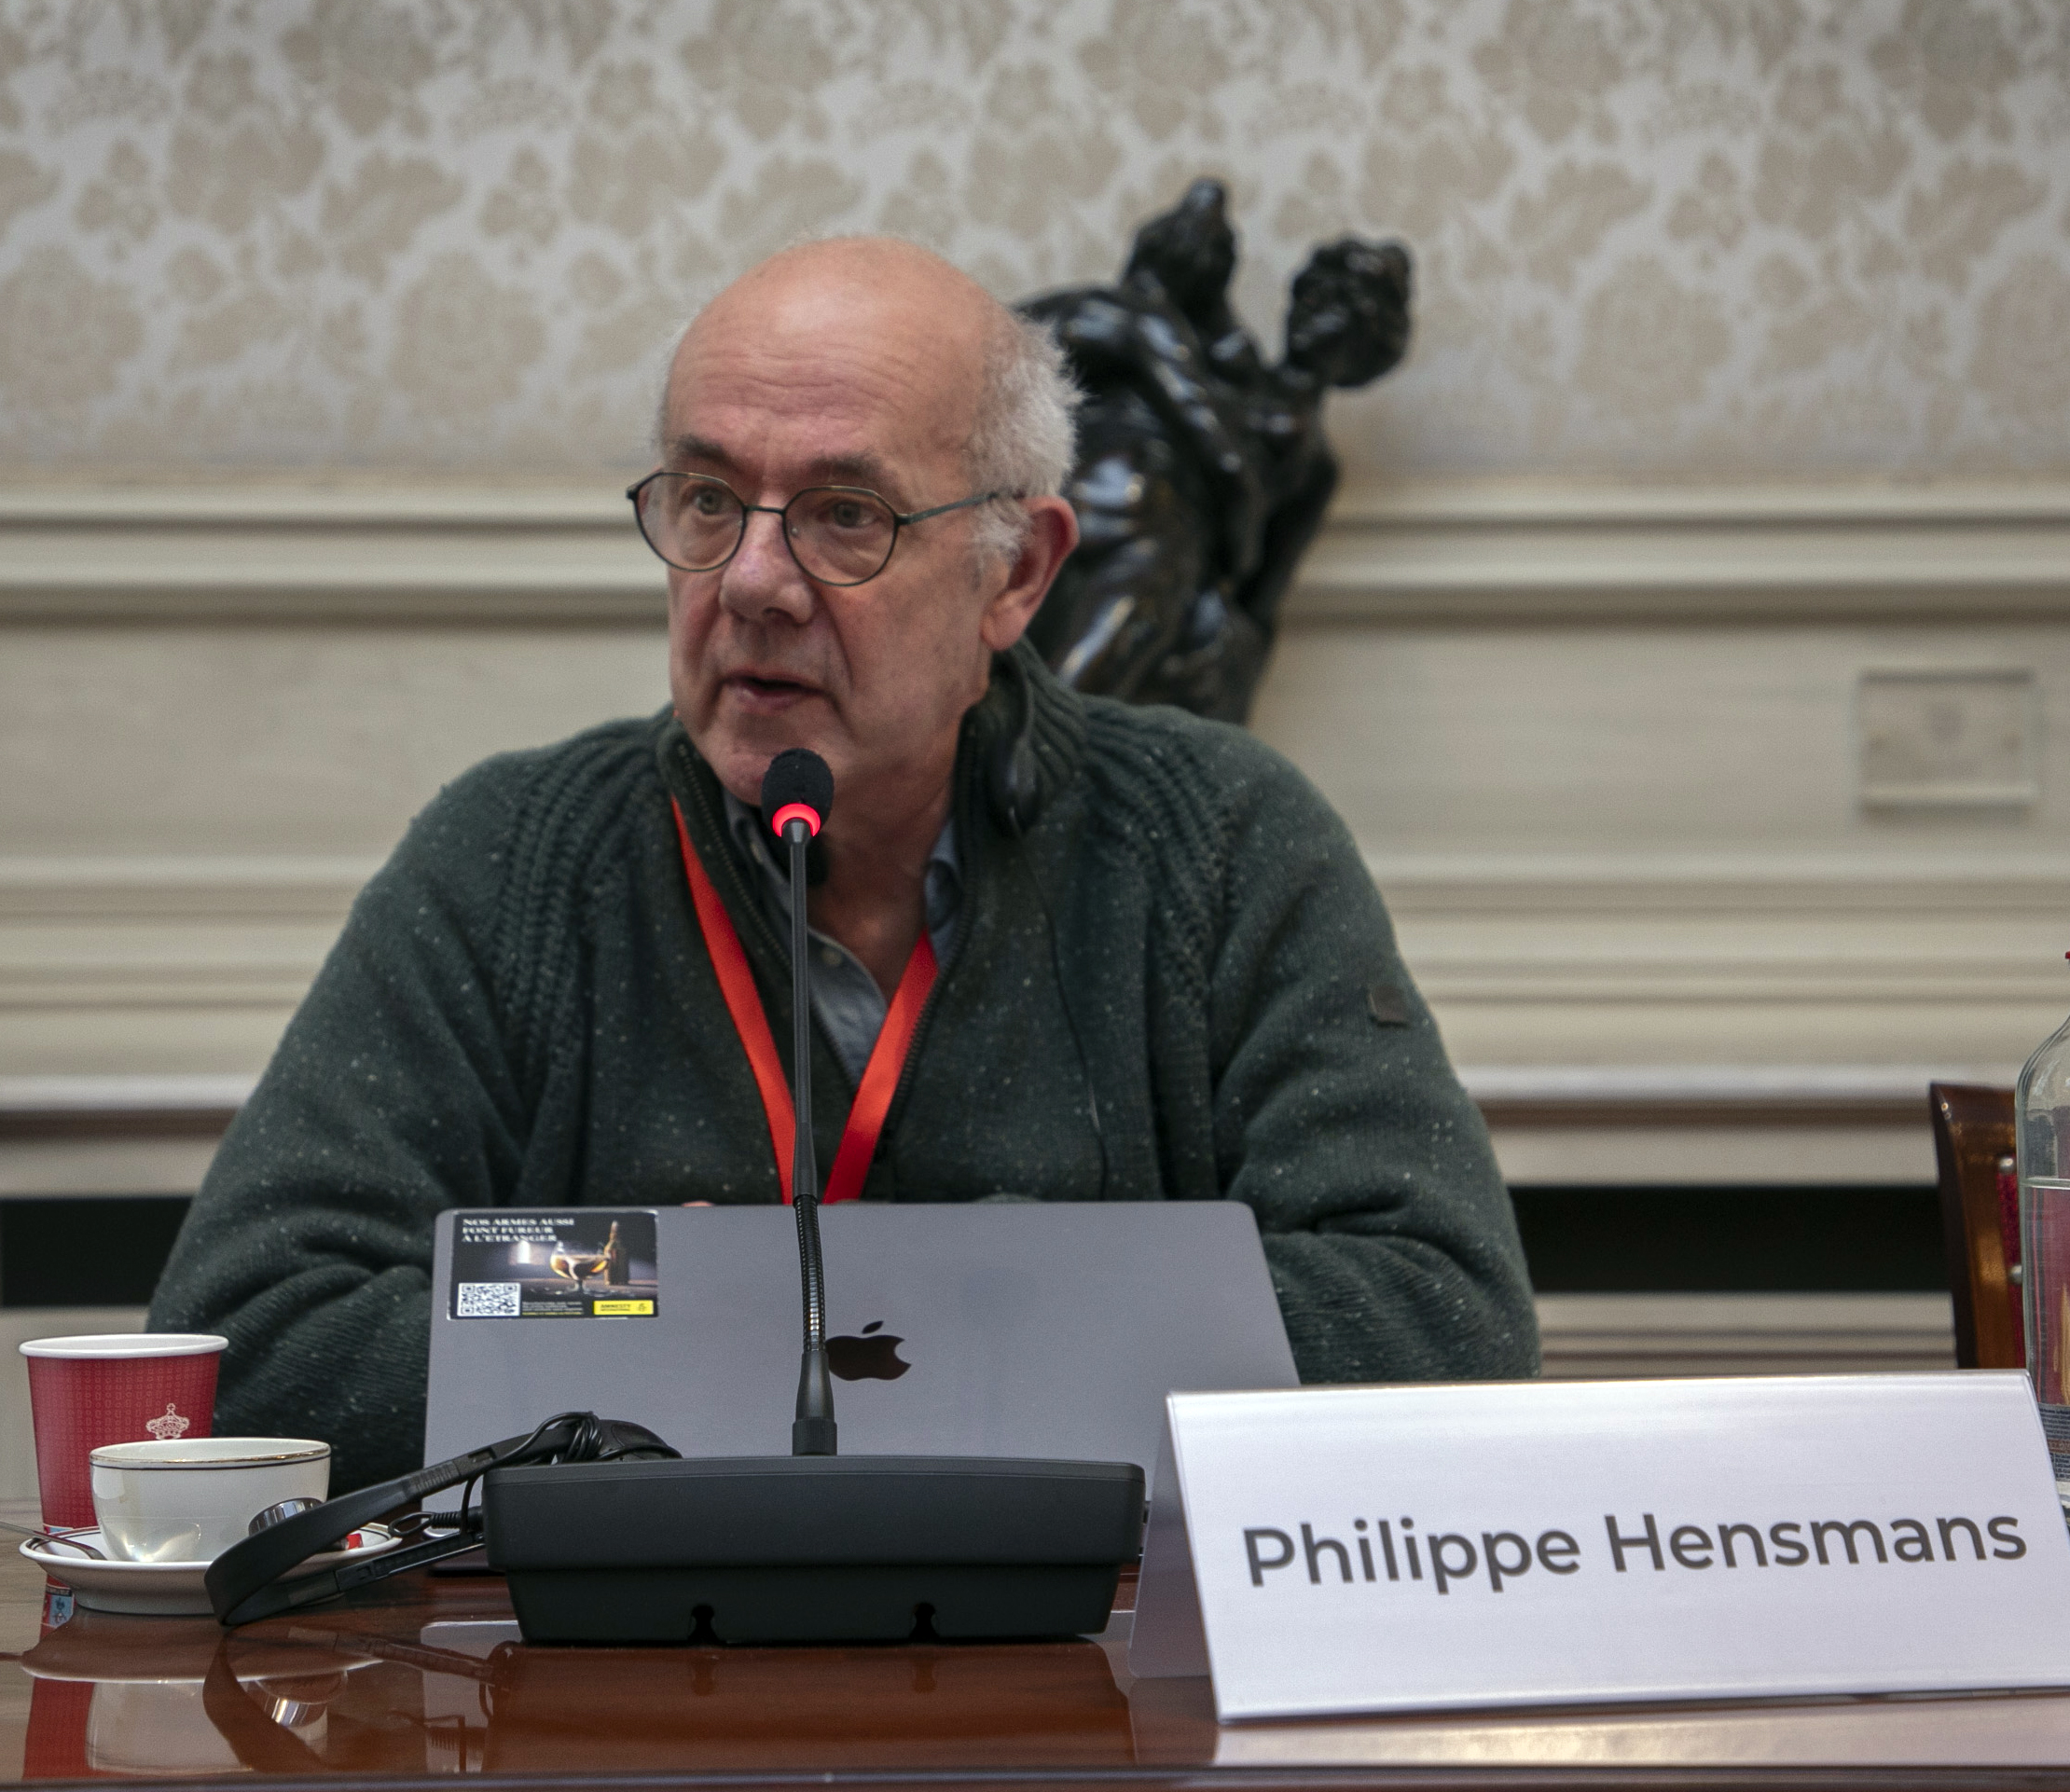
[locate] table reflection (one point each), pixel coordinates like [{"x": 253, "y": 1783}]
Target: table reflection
[
  {"x": 129, "y": 1697},
  {"x": 426, "y": 1677},
  {"x": 856, "y": 1706}
]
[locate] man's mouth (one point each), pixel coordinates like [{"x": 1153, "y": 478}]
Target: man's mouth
[{"x": 768, "y": 690}]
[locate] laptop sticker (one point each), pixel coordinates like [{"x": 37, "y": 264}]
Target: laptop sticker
[{"x": 597, "y": 1263}]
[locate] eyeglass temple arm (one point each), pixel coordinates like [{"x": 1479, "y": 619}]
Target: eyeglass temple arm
[{"x": 943, "y": 510}]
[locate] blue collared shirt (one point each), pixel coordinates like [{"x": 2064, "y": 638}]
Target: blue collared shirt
[{"x": 850, "y": 1006}]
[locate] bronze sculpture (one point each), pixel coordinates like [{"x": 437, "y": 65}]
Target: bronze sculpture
[{"x": 1202, "y": 471}]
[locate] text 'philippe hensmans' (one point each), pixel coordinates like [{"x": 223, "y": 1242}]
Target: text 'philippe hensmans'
[{"x": 1394, "y": 1550}]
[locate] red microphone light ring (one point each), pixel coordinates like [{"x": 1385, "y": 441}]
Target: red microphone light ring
[{"x": 791, "y": 812}]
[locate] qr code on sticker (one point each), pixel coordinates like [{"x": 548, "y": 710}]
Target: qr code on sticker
[{"x": 485, "y": 1301}]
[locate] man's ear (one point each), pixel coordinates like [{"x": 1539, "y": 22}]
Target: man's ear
[{"x": 1052, "y": 533}]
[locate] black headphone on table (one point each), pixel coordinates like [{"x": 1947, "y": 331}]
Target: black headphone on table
[{"x": 244, "y": 1581}]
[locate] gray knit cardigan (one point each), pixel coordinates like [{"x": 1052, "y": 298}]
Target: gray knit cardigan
[{"x": 1180, "y": 984}]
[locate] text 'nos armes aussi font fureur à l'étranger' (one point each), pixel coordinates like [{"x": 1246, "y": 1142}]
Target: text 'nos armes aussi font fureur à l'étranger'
[{"x": 1394, "y": 1550}]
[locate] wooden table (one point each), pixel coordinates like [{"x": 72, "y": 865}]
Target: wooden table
[{"x": 423, "y": 1678}]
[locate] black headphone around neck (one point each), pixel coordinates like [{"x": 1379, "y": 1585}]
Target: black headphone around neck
[{"x": 1012, "y": 776}]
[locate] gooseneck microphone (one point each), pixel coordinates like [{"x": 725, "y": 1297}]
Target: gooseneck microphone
[{"x": 797, "y": 791}]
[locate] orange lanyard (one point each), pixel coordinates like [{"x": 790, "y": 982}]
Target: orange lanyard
[{"x": 880, "y": 1076}]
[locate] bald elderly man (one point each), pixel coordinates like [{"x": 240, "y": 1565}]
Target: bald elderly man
[{"x": 1163, "y": 973}]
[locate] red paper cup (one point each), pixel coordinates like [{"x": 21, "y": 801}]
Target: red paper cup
[{"x": 113, "y": 1387}]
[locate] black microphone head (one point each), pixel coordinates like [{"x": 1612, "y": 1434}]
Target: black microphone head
[{"x": 799, "y": 781}]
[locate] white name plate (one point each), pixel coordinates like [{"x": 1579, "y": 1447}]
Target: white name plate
[{"x": 1391, "y": 1548}]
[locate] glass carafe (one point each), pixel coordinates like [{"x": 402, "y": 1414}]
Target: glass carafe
[{"x": 2042, "y": 1118}]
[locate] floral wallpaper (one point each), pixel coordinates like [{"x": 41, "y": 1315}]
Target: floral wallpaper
[{"x": 1732, "y": 237}]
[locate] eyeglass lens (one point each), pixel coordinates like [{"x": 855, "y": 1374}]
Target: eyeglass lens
[{"x": 837, "y": 534}]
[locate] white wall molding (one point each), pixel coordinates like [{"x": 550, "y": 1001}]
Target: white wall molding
[
  {"x": 152, "y": 887},
  {"x": 169, "y": 1096},
  {"x": 1558, "y": 962},
  {"x": 1476, "y": 552},
  {"x": 167, "y": 934},
  {"x": 375, "y": 551},
  {"x": 1759, "y": 1089},
  {"x": 429, "y": 550},
  {"x": 1732, "y": 930},
  {"x": 1793, "y": 1124},
  {"x": 1636, "y": 882},
  {"x": 1591, "y": 1336}
]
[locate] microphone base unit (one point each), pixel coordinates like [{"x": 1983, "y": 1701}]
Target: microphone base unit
[{"x": 812, "y": 1549}]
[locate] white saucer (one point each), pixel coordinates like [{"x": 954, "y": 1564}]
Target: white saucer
[{"x": 168, "y": 1589}]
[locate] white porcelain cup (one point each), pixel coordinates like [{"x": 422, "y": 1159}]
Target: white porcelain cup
[{"x": 189, "y": 1499}]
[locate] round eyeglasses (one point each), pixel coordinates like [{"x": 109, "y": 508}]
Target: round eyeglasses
[{"x": 838, "y": 534}]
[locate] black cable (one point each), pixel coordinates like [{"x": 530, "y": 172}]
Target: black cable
[
  {"x": 585, "y": 1443},
  {"x": 1071, "y": 1020}
]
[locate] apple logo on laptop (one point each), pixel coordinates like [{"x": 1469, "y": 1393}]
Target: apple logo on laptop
[{"x": 872, "y": 1356}]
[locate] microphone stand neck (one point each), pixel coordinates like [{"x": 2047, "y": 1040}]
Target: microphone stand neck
[{"x": 812, "y": 1431}]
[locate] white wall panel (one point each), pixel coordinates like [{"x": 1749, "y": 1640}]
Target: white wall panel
[{"x": 1615, "y": 829}]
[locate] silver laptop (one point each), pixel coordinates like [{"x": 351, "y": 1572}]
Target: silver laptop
[{"x": 1050, "y": 1329}]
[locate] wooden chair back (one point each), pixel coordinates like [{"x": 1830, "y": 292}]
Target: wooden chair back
[{"x": 1979, "y": 1219}]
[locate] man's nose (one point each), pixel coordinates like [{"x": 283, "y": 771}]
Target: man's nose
[{"x": 762, "y": 579}]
